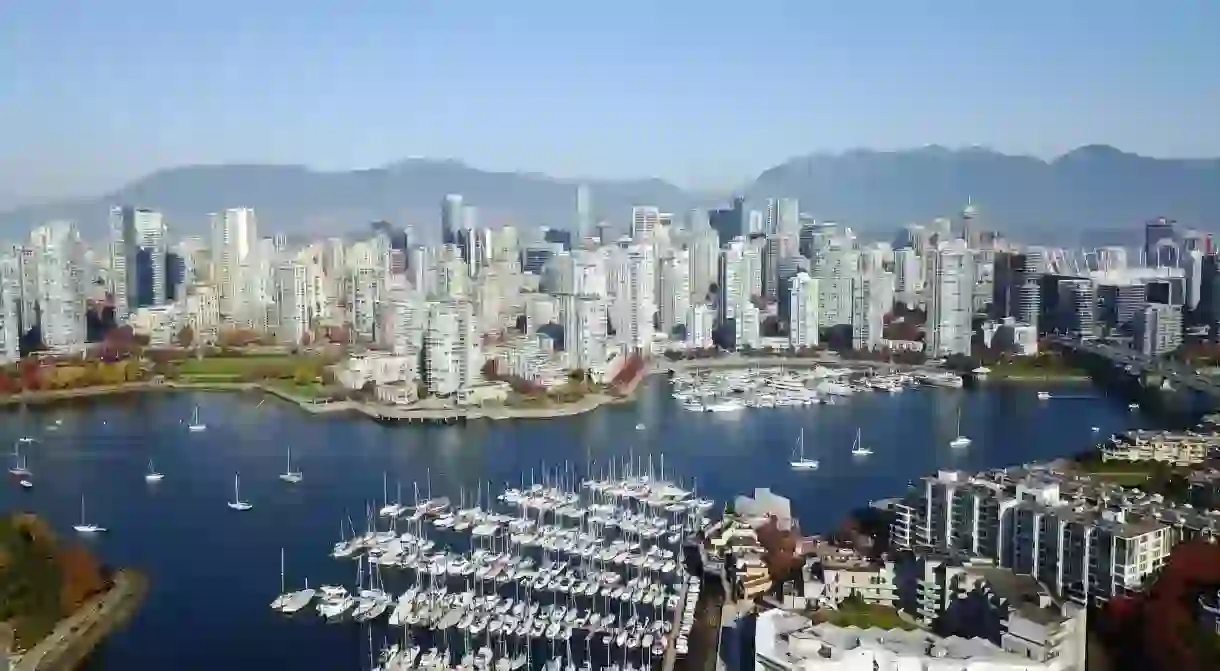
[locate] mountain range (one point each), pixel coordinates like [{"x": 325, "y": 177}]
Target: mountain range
[{"x": 1095, "y": 191}]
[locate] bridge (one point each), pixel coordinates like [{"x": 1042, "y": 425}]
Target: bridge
[{"x": 1155, "y": 375}]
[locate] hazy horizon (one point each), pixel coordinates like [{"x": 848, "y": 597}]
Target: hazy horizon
[{"x": 701, "y": 94}]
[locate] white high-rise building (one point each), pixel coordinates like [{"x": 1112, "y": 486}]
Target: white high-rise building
[
  {"x": 634, "y": 306},
  {"x": 585, "y": 332},
  {"x": 234, "y": 252},
  {"x": 291, "y": 303},
  {"x": 803, "y": 328},
  {"x": 60, "y": 286},
  {"x": 782, "y": 217},
  {"x": 704, "y": 248},
  {"x": 584, "y": 212},
  {"x": 644, "y": 223},
  {"x": 700, "y": 324},
  {"x": 734, "y": 279},
  {"x": 410, "y": 323},
  {"x": 10, "y": 308},
  {"x": 122, "y": 274},
  {"x": 454, "y": 355},
  {"x": 675, "y": 291},
  {"x": 950, "y": 304},
  {"x": 589, "y": 274},
  {"x": 837, "y": 267},
  {"x": 749, "y": 326},
  {"x": 908, "y": 275},
  {"x": 364, "y": 297},
  {"x": 867, "y": 312}
]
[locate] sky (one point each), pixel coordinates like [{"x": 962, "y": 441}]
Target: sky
[{"x": 705, "y": 93}]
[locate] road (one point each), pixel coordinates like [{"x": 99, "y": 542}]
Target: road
[
  {"x": 101, "y": 611},
  {"x": 1177, "y": 373}
]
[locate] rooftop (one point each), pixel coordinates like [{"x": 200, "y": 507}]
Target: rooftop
[
  {"x": 1024, "y": 594},
  {"x": 794, "y": 641}
]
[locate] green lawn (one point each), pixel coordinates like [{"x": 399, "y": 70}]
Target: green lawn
[
  {"x": 854, "y": 613},
  {"x": 236, "y": 365},
  {"x": 312, "y": 390}
]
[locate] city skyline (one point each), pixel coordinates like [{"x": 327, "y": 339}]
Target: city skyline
[{"x": 549, "y": 88}]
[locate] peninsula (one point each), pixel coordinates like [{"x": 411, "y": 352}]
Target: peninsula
[{"x": 56, "y": 601}]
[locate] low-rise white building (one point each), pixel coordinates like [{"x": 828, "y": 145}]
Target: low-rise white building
[
  {"x": 787, "y": 642},
  {"x": 376, "y": 368},
  {"x": 160, "y": 324}
]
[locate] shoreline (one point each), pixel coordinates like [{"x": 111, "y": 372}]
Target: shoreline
[
  {"x": 391, "y": 413},
  {"x": 77, "y": 635},
  {"x": 375, "y": 411}
]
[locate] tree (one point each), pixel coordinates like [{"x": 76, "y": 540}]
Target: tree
[
  {"x": 304, "y": 374},
  {"x": 186, "y": 337}
]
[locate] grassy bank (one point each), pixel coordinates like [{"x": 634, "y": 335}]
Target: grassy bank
[{"x": 41, "y": 580}]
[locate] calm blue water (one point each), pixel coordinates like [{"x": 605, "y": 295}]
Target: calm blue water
[{"x": 214, "y": 571}]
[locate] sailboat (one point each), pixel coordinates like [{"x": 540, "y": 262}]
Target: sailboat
[
  {"x": 858, "y": 448},
  {"x": 799, "y": 462},
  {"x": 291, "y": 602},
  {"x": 20, "y": 468},
  {"x": 960, "y": 441},
  {"x": 84, "y": 527},
  {"x": 237, "y": 503},
  {"x": 289, "y": 475},
  {"x": 153, "y": 475},
  {"x": 196, "y": 426}
]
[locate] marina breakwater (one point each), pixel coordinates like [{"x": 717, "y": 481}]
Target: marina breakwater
[{"x": 78, "y": 634}]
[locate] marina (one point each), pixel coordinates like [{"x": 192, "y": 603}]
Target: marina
[
  {"x": 564, "y": 572},
  {"x": 710, "y": 390}
]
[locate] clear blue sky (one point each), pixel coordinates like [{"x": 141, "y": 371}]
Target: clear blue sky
[{"x": 94, "y": 93}]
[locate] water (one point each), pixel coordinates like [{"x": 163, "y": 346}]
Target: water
[{"x": 214, "y": 571}]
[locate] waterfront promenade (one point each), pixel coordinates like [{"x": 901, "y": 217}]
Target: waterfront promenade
[{"x": 77, "y": 634}]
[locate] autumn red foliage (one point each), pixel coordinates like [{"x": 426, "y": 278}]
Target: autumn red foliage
[
  {"x": 81, "y": 577},
  {"x": 631, "y": 368},
  {"x": 781, "y": 558},
  {"x": 1158, "y": 629}
]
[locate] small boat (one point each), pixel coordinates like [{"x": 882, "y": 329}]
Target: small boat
[
  {"x": 799, "y": 462},
  {"x": 1096, "y": 429},
  {"x": 639, "y": 427},
  {"x": 237, "y": 503},
  {"x": 1133, "y": 406},
  {"x": 84, "y": 527},
  {"x": 290, "y": 476},
  {"x": 1044, "y": 396},
  {"x": 858, "y": 448},
  {"x": 960, "y": 441},
  {"x": 196, "y": 426},
  {"x": 25, "y": 484},
  {"x": 152, "y": 475}
]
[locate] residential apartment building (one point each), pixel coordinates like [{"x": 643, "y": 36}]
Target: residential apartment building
[{"x": 1085, "y": 542}]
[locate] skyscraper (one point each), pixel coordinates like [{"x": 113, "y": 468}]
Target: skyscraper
[
  {"x": 584, "y": 212},
  {"x": 644, "y": 222},
  {"x": 950, "y": 305},
  {"x": 1158, "y": 234},
  {"x": 803, "y": 312},
  {"x": 451, "y": 218},
  {"x": 60, "y": 292},
  {"x": 234, "y": 255}
]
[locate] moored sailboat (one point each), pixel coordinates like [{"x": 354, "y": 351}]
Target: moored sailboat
[
  {"x": 799, "y": 461},
  {"x": 237, "y": 503}
]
